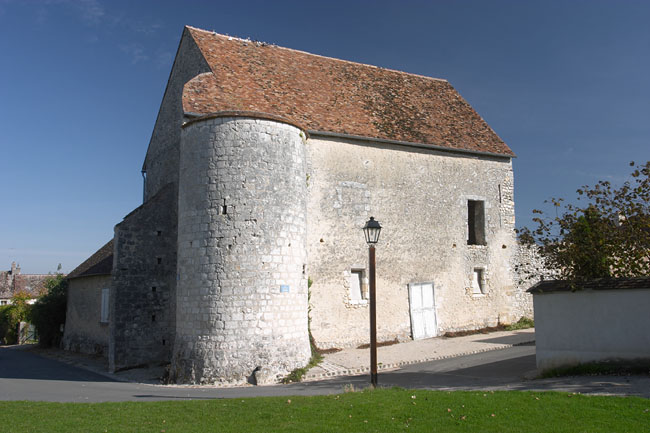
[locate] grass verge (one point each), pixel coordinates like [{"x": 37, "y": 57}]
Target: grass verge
[{"x": 380, "y": 410}]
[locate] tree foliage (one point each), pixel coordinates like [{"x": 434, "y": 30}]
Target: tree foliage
[
  {"x": 605, "y": 234},
  {"x": 11, "y": 316},
  {"x": 48, "y": 313}
]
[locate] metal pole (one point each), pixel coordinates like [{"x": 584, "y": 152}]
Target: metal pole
[{"x": 373, "y": 318}]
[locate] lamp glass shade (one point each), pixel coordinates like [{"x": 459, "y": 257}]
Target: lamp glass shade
[{"x": 372, "y": 230}]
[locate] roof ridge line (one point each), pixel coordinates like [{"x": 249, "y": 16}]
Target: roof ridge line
[{"x": 320, "y": 55}]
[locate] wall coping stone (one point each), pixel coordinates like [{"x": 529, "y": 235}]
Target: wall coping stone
[{"x": 550, "y": 286}]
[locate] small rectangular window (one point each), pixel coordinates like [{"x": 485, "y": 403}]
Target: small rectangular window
[
  {"x": 104, "y": 307},
  {"x": 356, "y": 285},
  {"x": 478, "y": 282},
  {"x": 476, "y": 222}
]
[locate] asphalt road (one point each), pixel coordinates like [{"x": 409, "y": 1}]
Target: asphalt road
[{"x": 26, "y": 376}]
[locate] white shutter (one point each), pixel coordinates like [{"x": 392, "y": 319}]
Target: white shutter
[{"x": 104, "y": 308}]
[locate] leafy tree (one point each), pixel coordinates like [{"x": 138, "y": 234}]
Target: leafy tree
[
  {"x": 11, "y": 316},
  {"x": 48, "y": 313},
  {"x": 605, "y": 234}
]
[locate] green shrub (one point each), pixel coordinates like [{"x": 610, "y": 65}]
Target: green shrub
[
  {"x": 48, "y": 313},
  {"x": 8, "y": 325},
  {"x": 522, "y": 323},
  {"x": 11, "y": 316}
]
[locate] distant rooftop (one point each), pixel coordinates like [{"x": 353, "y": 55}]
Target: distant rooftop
[{"x": 13, "y": 281}]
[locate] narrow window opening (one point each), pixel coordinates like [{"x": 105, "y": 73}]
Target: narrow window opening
[
  {"x": 144, "y": 186},
  {"x": 159, "y": 260},
  {"x": 153, "y": 317},
  {"x": 223, "y": 209},
  {"x": 476, "y": 222},
  {"x": 478, "y": 282},
  {"x": 153, "y": 288},
  {"x": 163, "y": 341},
  {"x": 159, "y": 233},
  {"x": 104, "y": 307},
  {"x": 499, "y": 193},
  {"x": 356, "y": 285}
]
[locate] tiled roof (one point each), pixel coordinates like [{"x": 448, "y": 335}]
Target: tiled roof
[
  {"x": 595, "y": 284},
  {"x": 100, "y": 263},
  {"x": 335, "y": 96},
  {"x": 33, "y": 284}
]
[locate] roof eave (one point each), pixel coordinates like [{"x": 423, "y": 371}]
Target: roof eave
[{"x": 412, "y": 144}]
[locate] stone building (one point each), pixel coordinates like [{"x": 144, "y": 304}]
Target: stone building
[
  {"x": 264, "y": 164},
  {"x": 13, "y": 282},
  {"x": 86, "y": 320}
]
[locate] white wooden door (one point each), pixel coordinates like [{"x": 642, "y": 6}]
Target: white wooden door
[{"x": 423, "y": 310}]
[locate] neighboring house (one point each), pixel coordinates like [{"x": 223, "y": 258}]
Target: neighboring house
[
  {"x": 87, "y": 311},
  {"x": 13, "y": 281},
  {"x": 263, "y": 166}
]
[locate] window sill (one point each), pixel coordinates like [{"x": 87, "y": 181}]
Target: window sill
[{"x": 360, "y": 302}]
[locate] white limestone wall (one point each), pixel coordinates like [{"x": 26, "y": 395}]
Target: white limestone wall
[
  {"x": 242, "y": 286},
  {"x": 420, "y": 198},
  {"x": 591, "y": 325}
]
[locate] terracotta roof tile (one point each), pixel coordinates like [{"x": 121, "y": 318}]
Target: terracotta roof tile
[
  {"x": 33, "y": 284},
  {"x": 337, "y": 96}
]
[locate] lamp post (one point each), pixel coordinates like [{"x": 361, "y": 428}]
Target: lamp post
[{"x": 371, "y": 230}]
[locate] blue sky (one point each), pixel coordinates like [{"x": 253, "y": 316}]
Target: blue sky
[{"x": 565, "y": 83}]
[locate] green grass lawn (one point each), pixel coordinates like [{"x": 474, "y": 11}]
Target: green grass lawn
[{"x": 386, "y": 410}]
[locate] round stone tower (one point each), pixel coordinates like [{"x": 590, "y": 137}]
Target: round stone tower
[{"x": 241, "y": 296}]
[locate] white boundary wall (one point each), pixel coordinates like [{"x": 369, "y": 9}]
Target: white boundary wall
[{"x": 591, "y": 325}]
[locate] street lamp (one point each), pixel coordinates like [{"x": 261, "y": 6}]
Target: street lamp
[{"x": 371, "y": 230}]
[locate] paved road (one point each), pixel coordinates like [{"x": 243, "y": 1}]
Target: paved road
[{"x": 25, "y": 376}]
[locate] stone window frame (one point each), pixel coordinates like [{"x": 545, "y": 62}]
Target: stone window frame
[
  {"x": 483, "y": 285},
  {"x": 480, "y": 233},
  {"x": 363, "y": 275}
]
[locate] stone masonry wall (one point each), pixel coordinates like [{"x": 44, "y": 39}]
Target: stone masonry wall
[
  {"x": 83, "y": 330},
  {"x": 420, "y": 197},
  {"x": 529, "y": 269},
  {"x": 143, "y": 290},
  {"x": 242, "y": 292},
  {"x": 164, "y": 148}
]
